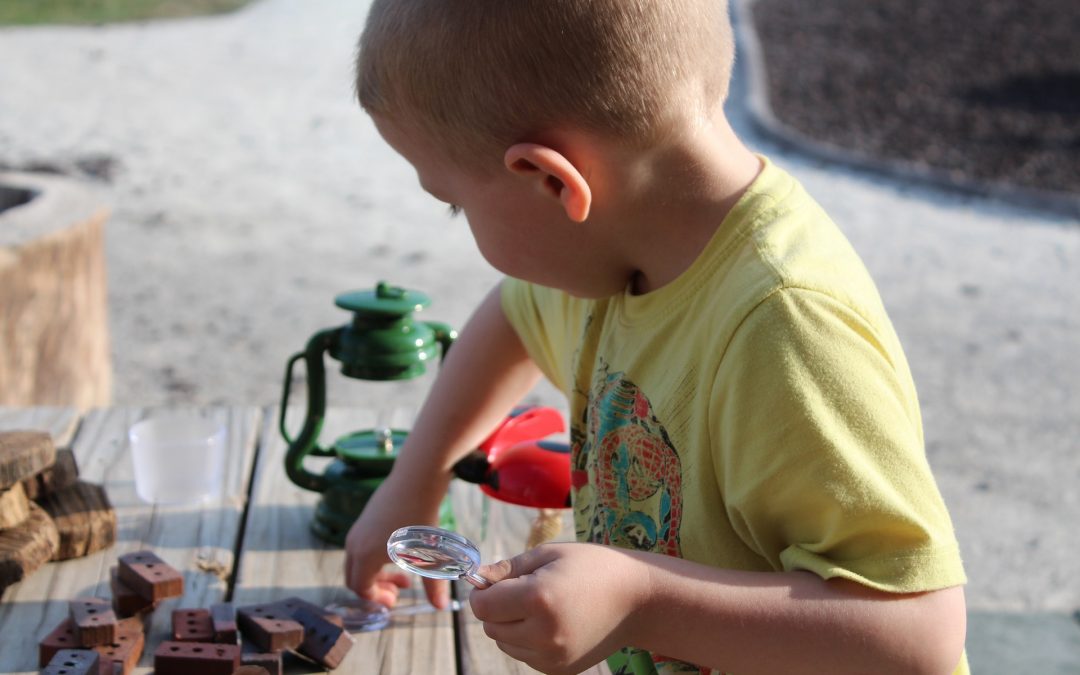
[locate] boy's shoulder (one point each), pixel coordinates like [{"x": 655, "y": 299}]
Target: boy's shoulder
[
  {"x": 775, "y": 238},
  {"x": 783, "y": 239}
]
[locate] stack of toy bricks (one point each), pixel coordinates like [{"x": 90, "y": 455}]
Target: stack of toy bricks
[
  {"x": 46, "y": 512},
  {"x": 252, "y": 639},
  {"x": 107, "y": 638}
]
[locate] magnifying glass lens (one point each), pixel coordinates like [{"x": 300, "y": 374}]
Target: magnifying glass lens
[{"x": 435, "y": 553}]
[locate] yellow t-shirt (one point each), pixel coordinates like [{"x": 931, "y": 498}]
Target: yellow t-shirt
[{"x": 757, "y": 413}]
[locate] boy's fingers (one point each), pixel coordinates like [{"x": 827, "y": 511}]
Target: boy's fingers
[
  {"x": 395, "y": 576},
  {"x": 518, "y": 653},
  {"x": 438, "y": 592},
  {"x": 354, "y": 573},
  {"x": 518, "y": 566},
  {"x": 510, "y": 632},
  {"x": 379, "y": 586},
  {"x": 382, "y": 594},
  {"x": 505, "y": 602}
]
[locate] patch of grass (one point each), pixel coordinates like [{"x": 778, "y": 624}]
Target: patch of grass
[{"x": 30, "y": 12}]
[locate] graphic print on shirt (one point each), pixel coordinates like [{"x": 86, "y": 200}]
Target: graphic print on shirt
[{"x": 627, "y": 476}]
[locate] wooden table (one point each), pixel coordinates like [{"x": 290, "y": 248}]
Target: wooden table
[{"x": 251, "y": 544}]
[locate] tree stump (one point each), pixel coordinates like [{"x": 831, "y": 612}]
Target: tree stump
[{"x": 54, "y": 338}]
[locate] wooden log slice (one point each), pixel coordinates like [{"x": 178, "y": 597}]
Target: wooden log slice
[
  {"x": 14, "y": 507},
  {"x": 62, "y": 474},
  {"x": 24, "y": 454},
  {"x": 84, "y": 519},
  {"x": 27, "y": 547}
]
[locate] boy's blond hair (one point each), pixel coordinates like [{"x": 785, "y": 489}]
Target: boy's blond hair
[{"x": 480, "y": 75}]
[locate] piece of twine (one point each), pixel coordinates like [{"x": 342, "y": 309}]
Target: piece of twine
[{"x": 546, "y": 526}]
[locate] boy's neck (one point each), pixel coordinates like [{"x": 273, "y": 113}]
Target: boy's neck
[{"x": 665, "y": 206}]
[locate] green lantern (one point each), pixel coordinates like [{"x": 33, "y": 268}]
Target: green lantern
[{"x": 383, "y": 342}]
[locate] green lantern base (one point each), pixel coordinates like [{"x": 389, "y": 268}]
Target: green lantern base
[{"x": 332, "y": 525}]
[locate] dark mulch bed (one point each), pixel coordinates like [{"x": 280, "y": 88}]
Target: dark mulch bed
[{"x": 984, "y": 90}]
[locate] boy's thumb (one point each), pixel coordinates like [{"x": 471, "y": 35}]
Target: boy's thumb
[{"x": 518, "y": 566}]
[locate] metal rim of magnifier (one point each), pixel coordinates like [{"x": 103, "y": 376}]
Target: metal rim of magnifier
[{"x": 452, "y": 544}]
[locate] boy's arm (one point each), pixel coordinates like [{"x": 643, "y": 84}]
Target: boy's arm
[
  {"x": 483, "y": 376},
  {"x": 564, "y": 607}
]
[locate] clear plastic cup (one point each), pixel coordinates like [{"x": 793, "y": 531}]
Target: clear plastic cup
[{"x": 179, "y": 458}]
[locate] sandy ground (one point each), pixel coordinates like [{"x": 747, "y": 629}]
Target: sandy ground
[{"x": 248, "y": 189}]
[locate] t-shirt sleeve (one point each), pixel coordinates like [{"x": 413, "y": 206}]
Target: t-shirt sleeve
[
  {"x": 819, "y": 453},
  {"x": 539, "y": 317}
]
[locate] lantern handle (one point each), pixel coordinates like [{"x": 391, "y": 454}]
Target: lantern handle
[
  {"x": 316, "y": 451},
  {"x": 307, "y": 442},
  {"x": 285, "y": 396},
  {"x": 444, "y": 335}
]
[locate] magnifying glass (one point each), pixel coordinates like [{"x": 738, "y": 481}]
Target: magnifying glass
[
  {"x": 436, "y": 553},
  {"x": 361, "y": 616}
]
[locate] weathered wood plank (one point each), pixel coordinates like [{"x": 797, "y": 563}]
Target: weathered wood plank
[
  {"x": 282, "y": 558},
  {"x": 198, "y": 540},
  {"x": 60, "y": 422},
  {"x": 501, "y": 531}
]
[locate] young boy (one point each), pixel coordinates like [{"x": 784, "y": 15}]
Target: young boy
[{"x": 748, "y": 477}]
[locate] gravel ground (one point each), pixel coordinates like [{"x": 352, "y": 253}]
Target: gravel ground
[
  {"x": 248, "y": 189},
  {"x": 982, "y": 90}
]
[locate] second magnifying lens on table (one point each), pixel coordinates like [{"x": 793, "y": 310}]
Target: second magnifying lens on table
[
  {"x": 436, "y": 553},
  {"x": 359, "y": 615}
]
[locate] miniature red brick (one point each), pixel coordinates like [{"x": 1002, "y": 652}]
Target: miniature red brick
[
  {"x": 291, "y": 604},
  {"x": 126, "y": 602},
  {"x": 269, "y": 627},
  {"x": 223, "y": 616},
  {"x": 205, "y": 658},
  {"x": 73, "y": 662},
  {"x": 271, "y": 662},
  {"x": 61, "y": 637},
  {"x": 121, "y": 657},
  {"x": 95, "y": 622},
  {"x": 150, "y": 576},
  {"x": 324, "y": 643},
  {"x": 192, "y": 625}
]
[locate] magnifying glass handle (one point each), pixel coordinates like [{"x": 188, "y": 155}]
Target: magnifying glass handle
[{"x": 476, "y": 580}]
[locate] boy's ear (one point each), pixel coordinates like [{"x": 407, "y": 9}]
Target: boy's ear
[{"x": 554, "y": 175}]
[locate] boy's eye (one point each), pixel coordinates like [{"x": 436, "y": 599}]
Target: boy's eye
[{"x": 454, "y": 210}]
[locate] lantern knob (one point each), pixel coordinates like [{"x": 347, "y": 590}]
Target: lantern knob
[{"x": 384, "y": 301}]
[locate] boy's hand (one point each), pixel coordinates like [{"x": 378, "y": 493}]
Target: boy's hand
[
  {"x": 562, "y": 608},
  {"x": 365, "y": 547}
]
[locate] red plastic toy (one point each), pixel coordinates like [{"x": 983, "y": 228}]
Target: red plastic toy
[{"x": 516, "y": 464}]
